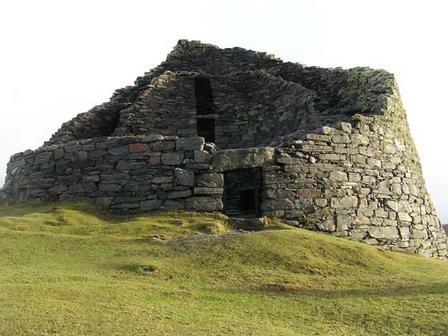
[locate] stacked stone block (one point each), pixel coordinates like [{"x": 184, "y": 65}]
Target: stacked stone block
[{"x": 126, "y": 174}]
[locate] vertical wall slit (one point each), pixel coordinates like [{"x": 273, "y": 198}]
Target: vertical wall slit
[
  {"x": 204, "y": 108},
  {"x": 204, "y": 96}
]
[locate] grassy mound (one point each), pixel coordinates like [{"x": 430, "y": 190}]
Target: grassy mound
[{"x": 68, "y": 269}]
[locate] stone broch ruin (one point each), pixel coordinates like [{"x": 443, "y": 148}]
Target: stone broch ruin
[{"x": 243, "y": 133}]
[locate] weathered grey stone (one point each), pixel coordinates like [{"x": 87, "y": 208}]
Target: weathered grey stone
[
  {"x": 154, "y": 160},
  {"x": 121, "y": 150},
  {"x": 404, "y": 233},
  {"x": 151, "y": 205},
  {"x": 129, "y": 166},
  {"x": 138, "y": 148},
  {"x": 83, "y": 155},
  {"x": 370, "y": 241},
  {"x": 343, "y": 222},
  {"x": 393, "y": 205},
  {"x": 208, "y": 191},
  {"x": 346, "y": 127},
  {"x": 108, "y": 187},
  {"x": 321, "y": 202},
  {"x": 341, "y": 139},
  {"x": 357, "y": 234},
  {"x": 326, "y": 224},
  {"x": 179, "y": 194},
  {"x": 114, "y": 178},
  {"x": 104, "y": 201},
  {"x": 162, "y": 179},
  {"x": 367, "y": 151},
  {"x": 359, "y": 139},
  {"x": 213, "y": 180},
  {"x": 91, "y": 178},
  {"x": 58, "y": 153},
  {"x": 418, "y": 234},
  {"x": 384, "y": 232},
  {"x": 191, "y": 144},
  {"x": 318, "y": 137},
  {"x": 204, "y": 204},
  {"x": 184, "y": 177},
  {"x": 279, "y": 204},
  {"x": 338, "y": 176},
  {"x": 332, "y": 157},
  {"x": 58, "y": 189},
  {"x": 152, "y": 137},
  {"x": 171, "y": 158},
  {"x": 201, "y": 156},
  {"x": 43, "y": 157},
  {"x": 381, "y": 213},
  {"x": 174, "y": 204},
  {"x": 404, "y": 216},
  {"x": 242, "y": 158},
  {"x": 162, "y": 145},
  {"x": 344, "y": 202},
  {"x": 361, "y": 220}
]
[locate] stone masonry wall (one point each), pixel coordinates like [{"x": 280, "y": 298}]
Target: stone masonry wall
[
  {"x": 355, "y": 180},
  {"x": 338, "y": 93},
  {"x": 246, "y": 104},
  {"x": 129, "y": 174}
]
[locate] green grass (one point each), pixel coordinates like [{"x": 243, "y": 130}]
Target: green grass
[{"x": 69, "y": 269}]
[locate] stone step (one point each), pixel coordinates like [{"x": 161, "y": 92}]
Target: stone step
[{"x": 241, "y": 223}]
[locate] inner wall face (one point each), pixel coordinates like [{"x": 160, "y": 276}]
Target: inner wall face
[
  {"x": 242, "y": 193},
  {"x": 234, "y": 111}
]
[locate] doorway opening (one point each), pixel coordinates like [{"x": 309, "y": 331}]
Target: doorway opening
[{"x": 242, "y": 190}]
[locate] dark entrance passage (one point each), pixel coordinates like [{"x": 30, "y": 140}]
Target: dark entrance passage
[
  {"x": 242, "y": 189},
  {"x": 206, "y": 128}
]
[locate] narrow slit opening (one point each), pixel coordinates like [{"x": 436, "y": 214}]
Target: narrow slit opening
[{"x": 204, "y": 96}]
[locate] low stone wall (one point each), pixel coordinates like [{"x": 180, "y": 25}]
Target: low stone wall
[{"x": 128, "y": 174}]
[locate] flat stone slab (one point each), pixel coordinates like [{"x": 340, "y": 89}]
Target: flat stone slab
[{"x": 232, "y": 159}]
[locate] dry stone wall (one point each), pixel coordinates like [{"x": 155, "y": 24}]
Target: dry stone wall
[
  {"x": 246, "y": 104},
  {"x": 327, "y": 95},
  {"x": 345, "y": 180},
  {"x": 359, "y": 182},
  {"x": 127, "y": 174}
]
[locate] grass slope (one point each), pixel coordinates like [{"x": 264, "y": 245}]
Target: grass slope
[{"x": 70, "y": 270}]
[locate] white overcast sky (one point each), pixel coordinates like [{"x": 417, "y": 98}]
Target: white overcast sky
[{"x": 60, "y": 58}]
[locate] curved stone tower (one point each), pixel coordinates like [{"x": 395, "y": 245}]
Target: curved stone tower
[{"x": 244, "y": 133}]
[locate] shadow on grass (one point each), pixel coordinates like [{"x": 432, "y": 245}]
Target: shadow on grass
[
  {"x": 22, "y": 208},
  {"x": 138, "y": 269},
  {"x": 288, "y": 288},
  {"x": 30, "y": 207}
]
